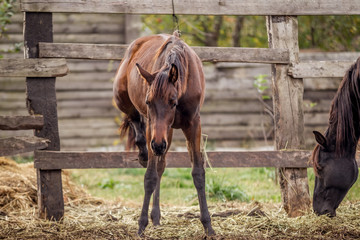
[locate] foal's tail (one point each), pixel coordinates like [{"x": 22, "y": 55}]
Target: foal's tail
[{"x": 126, "y": 127}]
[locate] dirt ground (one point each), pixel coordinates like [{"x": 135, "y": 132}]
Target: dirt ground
[{"x": 90, "y": 218}]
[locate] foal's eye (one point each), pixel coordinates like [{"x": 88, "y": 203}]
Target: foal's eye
[{"x": 173, "y": 104}]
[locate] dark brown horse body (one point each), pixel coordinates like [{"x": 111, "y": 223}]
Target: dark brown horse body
[
  {"x": 160, "y": 86},
  {"x": 334, "y": 156}
]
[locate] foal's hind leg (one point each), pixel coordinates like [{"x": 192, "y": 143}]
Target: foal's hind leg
[{"x": 193, "y": 136}]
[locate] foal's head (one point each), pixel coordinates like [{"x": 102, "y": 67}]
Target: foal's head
[{"x": 161, "y": 101}]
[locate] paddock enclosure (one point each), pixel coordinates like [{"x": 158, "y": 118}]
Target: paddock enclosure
[{"x": 45, "y": 61}]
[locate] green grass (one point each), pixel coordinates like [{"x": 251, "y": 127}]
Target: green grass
[{"x": 177, "y": 188}]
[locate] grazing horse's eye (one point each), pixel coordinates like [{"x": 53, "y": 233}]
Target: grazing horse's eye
[{"x": 147, "y": 102}]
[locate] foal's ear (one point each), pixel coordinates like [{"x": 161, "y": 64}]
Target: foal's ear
[
  {"x": 173, "y": 74},
  {"x": 145, "y": 74},
  {"x": 320, "y": 139}
]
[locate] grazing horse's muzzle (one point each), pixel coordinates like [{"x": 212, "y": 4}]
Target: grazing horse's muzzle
[
  {"x": 330, "y": 212},
  {"x": 158, "y": 148}
]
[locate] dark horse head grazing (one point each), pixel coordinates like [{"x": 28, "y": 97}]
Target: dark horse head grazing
[
  {"x": 159, "y": 86},
  {"x": 334, "y": 157}
]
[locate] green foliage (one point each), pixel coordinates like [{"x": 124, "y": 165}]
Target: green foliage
[
  {"x": 313, "y": 104},
  {"x": 21, "y": 159},
  {"x": 330, "y": 33},
  {"x": 261, "y": 83},
  {"x": 200, "y": 30},
  {"x": 108, "y": 183},
  {"x": 218, "y": 189},
  {"x": 6, "y": 12}
]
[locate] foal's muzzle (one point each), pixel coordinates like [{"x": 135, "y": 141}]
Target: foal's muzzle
[{"x": 158, "y": 148}]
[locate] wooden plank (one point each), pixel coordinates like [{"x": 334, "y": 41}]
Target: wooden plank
[
  {"x": 92, "y": 19},
  {"x": 21, "y": 122},
  {"x": 33, "y": 67},
  {"x": 16, "y": 145},
  {"x": 319, "y": 69},
  {"x": 72, "y": 160},
  {"x": 41, "y": 99},
  {"x": 110, "y": 38},
  {"x": 288, "y": 114},
  {"x": 197, "y": 7},
  {"x": 82, "y": 51},
  {"x": 233, "y": 54},
  {"x": 84, "y": 27},
  {"x": 207, "y": 54}
]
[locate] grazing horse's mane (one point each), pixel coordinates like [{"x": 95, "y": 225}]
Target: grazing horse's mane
[
  {"x": 172, "y": 52},
  {"x": 344, "y": 118}
]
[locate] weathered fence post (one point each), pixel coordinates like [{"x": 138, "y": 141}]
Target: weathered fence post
[
  {"x": 288, "y": 112},
  {"x": 41, "y": 99}
]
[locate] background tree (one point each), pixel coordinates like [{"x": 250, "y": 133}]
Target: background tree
[
  {"x": 330, "y": 33},
  {"x": 6, "y": 12}
]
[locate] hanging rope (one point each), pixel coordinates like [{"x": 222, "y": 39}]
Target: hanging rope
[{"x": 175, "y": 19}]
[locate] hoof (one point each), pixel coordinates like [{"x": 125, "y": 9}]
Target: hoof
[
  {"x": 143, "y": 222},
  {"x": 140, "y": 233},
  {"x": 155, "y": 216},
  {"x": 155, "y": 221},
  {"x": 210, "y": 232}
]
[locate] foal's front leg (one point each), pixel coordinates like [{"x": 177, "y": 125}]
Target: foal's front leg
[
  {"x": 150, "y": 181},
  {"x": 193, "y": 137},
  {"x": 155, "y": 212}
]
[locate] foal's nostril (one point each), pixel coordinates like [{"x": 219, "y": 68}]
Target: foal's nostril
[
  {"x": 163, "y": 145},
  {"x": 158, "y": 148}
]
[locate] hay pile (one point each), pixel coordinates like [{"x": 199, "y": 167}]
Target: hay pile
[
  {"x": 86, "y": 218},
  {"x": 18, "y": 191}
]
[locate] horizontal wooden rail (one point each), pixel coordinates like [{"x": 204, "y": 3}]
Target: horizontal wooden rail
[
  {"x": 15, "y": 145},
  {"x": 72, "y": 160},
  {"x": 21, "y": 122},
  {"x": 33, "y": 67},
  {"x": 207, "y": 54},
  {"x": 198, "y": 7},
  {"x": 320, "y": 69}
]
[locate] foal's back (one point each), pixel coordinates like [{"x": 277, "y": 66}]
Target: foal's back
[{"x": 151, "y": 52}]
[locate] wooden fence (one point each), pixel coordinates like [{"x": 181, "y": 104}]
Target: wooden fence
[{"x": 282, "y": 53}]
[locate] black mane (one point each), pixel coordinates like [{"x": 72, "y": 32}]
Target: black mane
[
  {"x": 172, "y": 52},
  {"x": 345, "y": 112}
]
